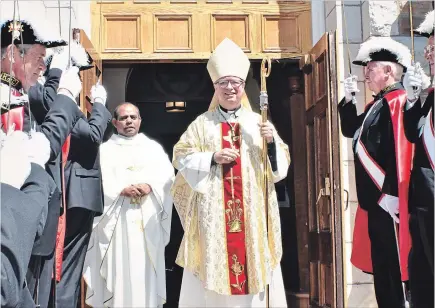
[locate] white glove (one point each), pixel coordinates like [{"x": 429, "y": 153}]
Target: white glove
[
  {"x": 38, "y": 149},
  {"x": 390, "y": 204},
  {"x": 413, "y": 82},
  {"x": 350, "y": 85},
  {"x": 98, "y": 94},
  {"x": 70, "y": 83},
  {"x": 14, "y": 162},
  {"x": 60, "y": 60}
]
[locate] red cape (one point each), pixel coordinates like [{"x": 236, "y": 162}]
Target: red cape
[{"x": 361, "y": 251}]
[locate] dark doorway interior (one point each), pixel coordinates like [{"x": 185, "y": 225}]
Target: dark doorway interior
[{"x": 151, "y": 86}]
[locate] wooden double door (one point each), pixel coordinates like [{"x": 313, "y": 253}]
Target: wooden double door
[{"x": 318, "y": 192}]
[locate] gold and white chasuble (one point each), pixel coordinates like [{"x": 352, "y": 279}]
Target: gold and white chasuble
[
  {"x": 125, "y": 261},
  {"x": 226, "y": 253}
]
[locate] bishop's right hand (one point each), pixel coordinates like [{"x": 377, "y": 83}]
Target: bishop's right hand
[
  {"x": 70, "y": 83},
  {"x": 225, "y": 156},
  {"x": 350, "y": 86}
]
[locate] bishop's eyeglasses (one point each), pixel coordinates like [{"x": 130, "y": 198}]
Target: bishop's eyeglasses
[{"x": 234, "y": 83}]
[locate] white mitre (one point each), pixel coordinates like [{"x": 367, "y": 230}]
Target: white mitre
[{"x": 228, "y": 59}]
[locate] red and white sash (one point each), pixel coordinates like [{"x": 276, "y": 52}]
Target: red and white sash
[
  {"x": 429, "y": 139},
  {"x": 372, "y": 168}
]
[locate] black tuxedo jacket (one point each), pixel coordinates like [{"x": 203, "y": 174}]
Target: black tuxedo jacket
[
  {"x": 378, "y": 138},
  {"x": 25, "y": 228},
  {"x": 82, "y": 170},
  {"x": 421, "y": 187}
]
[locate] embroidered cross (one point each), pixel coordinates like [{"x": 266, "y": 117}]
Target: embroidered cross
[
  {"x": 234, "y": 211},
  {"x": 232, "y": 178},
  {"x": 231, "y": 138}
]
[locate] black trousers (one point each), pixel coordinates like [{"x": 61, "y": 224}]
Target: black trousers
[
  {"x": 78, "y": 231},
  {"x": 386, "y": 269},
  {"x": 421, "y": 272},
  {"x": 45, "y": 279}
]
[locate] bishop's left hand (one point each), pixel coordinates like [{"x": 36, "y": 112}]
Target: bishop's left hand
[{"x": 266, "y": 131}]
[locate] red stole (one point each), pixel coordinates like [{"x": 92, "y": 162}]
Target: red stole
[
  {"x": 234, "y": 213},
  {"x": 361, "y": 250}
]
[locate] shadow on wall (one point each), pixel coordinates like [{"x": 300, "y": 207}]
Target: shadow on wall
[{"x": 402, "y": 28}]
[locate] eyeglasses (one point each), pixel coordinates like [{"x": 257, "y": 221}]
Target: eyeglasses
[
  {"x": 428, "y": 49},
  {"x": 234, "y": 83}
]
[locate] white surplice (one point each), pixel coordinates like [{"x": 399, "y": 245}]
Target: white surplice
[
  {"x": 197, "y": 193},
  {"x": 125, "y": 262}
]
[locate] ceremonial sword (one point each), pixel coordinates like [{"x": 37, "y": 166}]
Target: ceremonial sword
[{"x": 348, "y": 50}]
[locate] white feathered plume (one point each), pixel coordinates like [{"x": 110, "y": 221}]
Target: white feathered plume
[
  {"x": 427, "y": 26},
  {"x": 79, "y": 56},
  {"x": 368, "y": 49}
]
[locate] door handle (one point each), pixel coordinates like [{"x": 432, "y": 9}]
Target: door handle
[{"x": 347, "y": 199}]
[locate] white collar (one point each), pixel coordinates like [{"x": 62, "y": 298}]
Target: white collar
[
  {"x": 128, "y": 141},
  {"x": 230, "y": 115}
]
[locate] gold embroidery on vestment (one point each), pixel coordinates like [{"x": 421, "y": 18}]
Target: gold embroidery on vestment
[
  {"x": 234, "y": 210},
  {"x": 136, "y": 200},
  {"x": 139, "y": 223},
  {"x": 237, "y": 269},
  {"x": 231, "y": 138}
]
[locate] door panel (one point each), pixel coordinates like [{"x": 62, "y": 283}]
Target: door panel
[
  {"x": 323, "y": 180},
  {"x": 91, "y": 76},
  {"x": 143, "y": 30}
]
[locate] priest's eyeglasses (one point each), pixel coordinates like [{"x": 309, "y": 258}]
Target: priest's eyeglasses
[{"x": 234, "y": 83}]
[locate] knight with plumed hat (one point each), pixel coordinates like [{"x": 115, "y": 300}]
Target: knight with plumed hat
[
  {"x": 227, "y": 254},
  {"x": 23, "y": 48},
  {"x": 419, "y": 129},
  {"x": 383, "y": 157}
]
